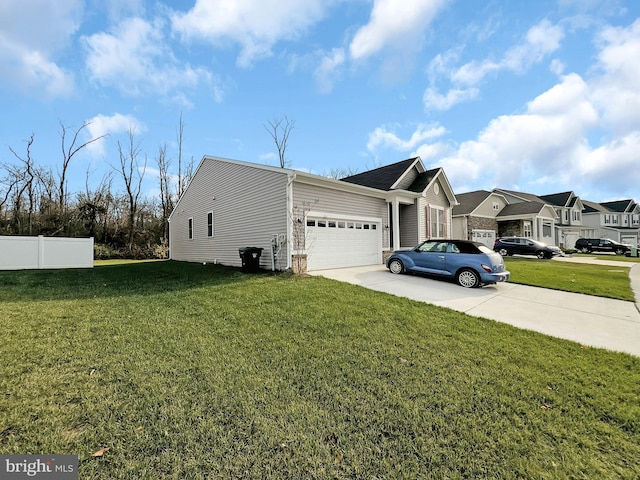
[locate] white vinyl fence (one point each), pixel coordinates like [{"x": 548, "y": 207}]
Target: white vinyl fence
[{"x": 19, "y": 253}]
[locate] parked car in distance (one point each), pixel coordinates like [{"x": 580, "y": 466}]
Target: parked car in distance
[
  {"x": 524, "y": 246},
  {"x": 471, "y": 264},
  {"x": 588, "y": 245}
]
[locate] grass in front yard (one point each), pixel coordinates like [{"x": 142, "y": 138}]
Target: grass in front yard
[
  {"x": 192, "y": 371},
  {"x": 598, "y": 280}
]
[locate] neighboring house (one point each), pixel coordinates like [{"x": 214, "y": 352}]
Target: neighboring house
[
  {"x": 475, "y": 216},
  {"x": 569, "y": 225},
  {"x": 482, "y": 216},
  {"x": 618, "y": 220},
  {"x": 295, "y": 215}
]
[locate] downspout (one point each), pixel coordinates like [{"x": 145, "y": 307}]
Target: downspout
[{"x": 292, "y": 178}]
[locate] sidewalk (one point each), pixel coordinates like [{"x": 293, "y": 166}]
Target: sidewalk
[{"x": 634, "y": 271}]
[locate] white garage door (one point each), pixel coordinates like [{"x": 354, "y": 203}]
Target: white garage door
[
  {"x": 336, "y": 243},
  {"x": 484, "y": 236}
]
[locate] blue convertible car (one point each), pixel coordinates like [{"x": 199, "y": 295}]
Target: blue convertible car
[{"x": 472, "y": 264}]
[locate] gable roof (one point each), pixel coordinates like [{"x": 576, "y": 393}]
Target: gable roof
[
  {"x": 620, "y": 206},
  {"x": 521, "y": 208},
  {"x": 527, "y": 197},
  {"x": 382, "y": 178},
  {"x": 468, "y": 202},
  {"x": 423, "y": 180},
  {"x": 591, "y": 207},
  {"x": 564, "y": 199}
]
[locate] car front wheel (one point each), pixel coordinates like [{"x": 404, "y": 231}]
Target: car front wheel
[
  {"x": 584, "y": 250},
  {"x": 468, "y": 278},
  {"x": 619, "y": 251},
  {"x": 504, "y": 252},
  {"x": 541, "y": 255},
  {"x": 396, "y": 266}
]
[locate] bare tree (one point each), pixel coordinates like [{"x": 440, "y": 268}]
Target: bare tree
[
  {"x": 338, "y": 173},
  {"x": 132, "y": 175},
  {"x": 302, "y": 244},
  {"x": 67, "y": 154},
  {"x": 279, "y": 129},
  {"x": 166, "y": 197},
  {"x": 24, "y": 182}
]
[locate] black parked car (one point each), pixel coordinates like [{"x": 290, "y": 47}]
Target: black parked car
[
  {"x": 588, "y": 245},
  {"x": 525, "y": 246}
]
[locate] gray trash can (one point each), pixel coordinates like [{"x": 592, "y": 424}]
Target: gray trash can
[
  {"x": 250, "y": 257},
  {"x": 634, "y": 251}
]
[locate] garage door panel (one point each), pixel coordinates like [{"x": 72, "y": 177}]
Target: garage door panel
[{"x": 333, "y": 247}]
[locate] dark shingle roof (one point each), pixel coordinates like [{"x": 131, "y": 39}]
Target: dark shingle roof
[
  {"x": 381, "y": 178},
  {"x": 591, "y": 207},
  {"x": 423, "y": 180},
  {"x": 468, "y": 202},
  {"x": 521, "y": 208},
  {"x": 558, "y": 199},
  {"x": 618, "y": 205}
]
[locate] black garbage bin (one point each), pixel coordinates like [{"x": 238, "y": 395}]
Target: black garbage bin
[{"x": 250, "y": 258}]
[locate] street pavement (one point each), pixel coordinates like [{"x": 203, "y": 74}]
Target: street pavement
[{"x": 588, "y": 320}]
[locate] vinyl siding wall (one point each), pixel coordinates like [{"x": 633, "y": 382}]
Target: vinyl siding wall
[
  {"x": 249, "y": 206},
  {"x": 408, "y": 226},
  {"x": 408, "y": 179},
  {"x": 327, "y": 200},
  {"x": 433, "y": 199}
]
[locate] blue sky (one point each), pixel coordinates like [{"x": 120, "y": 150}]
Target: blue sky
[{"x": 539, "y": 96}]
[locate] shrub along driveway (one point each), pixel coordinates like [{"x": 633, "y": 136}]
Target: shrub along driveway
[{"x": 589, "y": 320}]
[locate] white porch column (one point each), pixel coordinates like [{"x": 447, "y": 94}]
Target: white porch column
[{"x": 395, "y": 213}]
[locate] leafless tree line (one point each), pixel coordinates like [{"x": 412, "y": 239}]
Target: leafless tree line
[{"x": 35, "y": 199}]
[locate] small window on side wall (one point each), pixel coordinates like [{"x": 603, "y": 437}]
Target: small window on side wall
[
  {"x": 190, "y": 228},
  {"x": 210, "y": 224}
]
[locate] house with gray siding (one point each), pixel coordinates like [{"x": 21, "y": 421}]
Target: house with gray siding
[
  {"x": 617, "y": 220},
  {"x": 293, "y": 215}
]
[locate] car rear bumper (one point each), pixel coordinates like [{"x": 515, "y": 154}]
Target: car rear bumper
[{"x": 495, "y": 277}]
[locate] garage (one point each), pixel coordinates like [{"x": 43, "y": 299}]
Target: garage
[
  {"x": 484, "y": 236},
  {"x": 339, "y": 242}
]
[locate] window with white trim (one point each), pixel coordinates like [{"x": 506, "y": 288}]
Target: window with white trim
[
  {"x": 495, "y": 206},
  {"x": 436, "y": 222},
  {"x": 526, "y": 229},
  {"x": 190, "y": 228},
  {"x": 210, "y": 224}
]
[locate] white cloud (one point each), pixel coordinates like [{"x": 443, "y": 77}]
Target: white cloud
[
  {"x": 435, "y": 100},
  {"x": 329, "y": 69},
  {"x": 110, "y": 125},
  {"x": 548, "y": 139},
  {"x": 384, "y": 137},
  {"x": 27, "y": 55},
  {"x": 255, "y": 26},
  {"x": 394, "y": 23},
  {"x": 615, "y": 88},
  {"x": 540, "y": 41},
  {"x": 136, "y": 60},
  {"x": 614, "y": 166}
]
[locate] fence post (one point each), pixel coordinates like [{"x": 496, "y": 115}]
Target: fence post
[{"x": 40, "y": 251}]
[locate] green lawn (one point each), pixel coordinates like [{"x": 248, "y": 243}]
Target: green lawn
[
  {"x": 186, "y": 371},
  {"x": 598, "y": 280}
]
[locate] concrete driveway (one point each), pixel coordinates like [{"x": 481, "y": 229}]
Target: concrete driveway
[{"x": 588, "y": 320}]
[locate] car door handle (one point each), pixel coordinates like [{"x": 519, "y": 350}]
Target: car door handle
[{"x": 441, "y": 257}]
